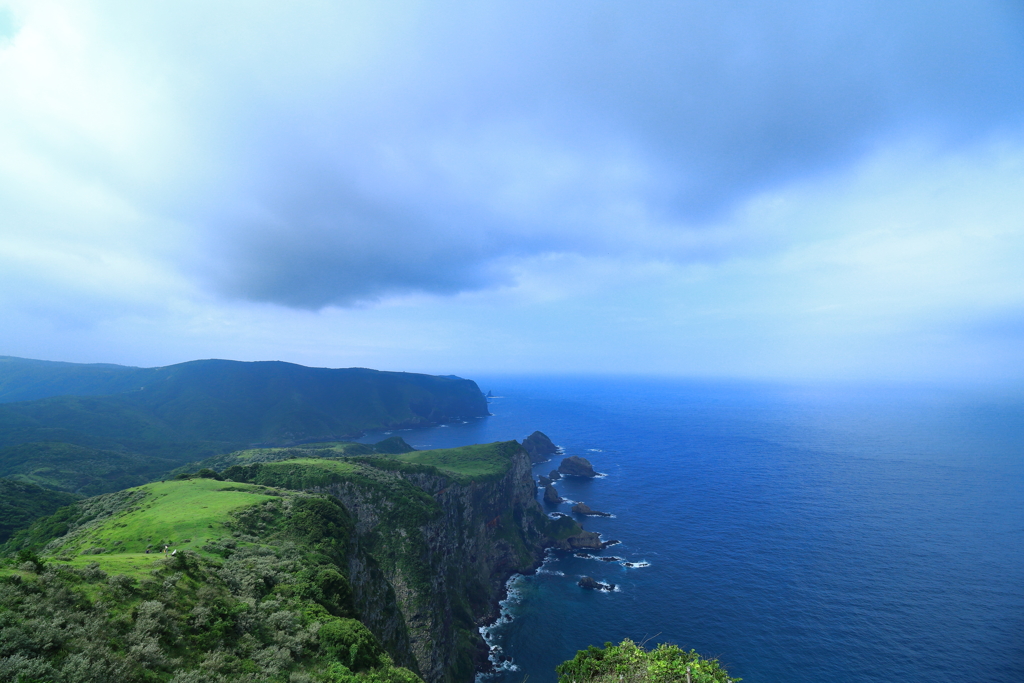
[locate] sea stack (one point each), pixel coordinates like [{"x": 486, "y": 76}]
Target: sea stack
[
  {"x": 588, "y": 582},
  {"x": 575, "y": 466},
  {"x": 584, "y": 509},
  {"x": 539, "y": 446},
  {"x": 551, "y": 495},
  {"x": 555, "y": 476}
]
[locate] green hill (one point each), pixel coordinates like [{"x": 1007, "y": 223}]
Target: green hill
[
  {"x": 77, "y": 469},
  {"x": 24, "y": 379},
  {"x": 227, "y": 402},
  {"x": 305, "y": 569},
  {"x": 255, "y": 590},
  {"x": 152, "y": 420},
  {"x": 21, "y": 503}
]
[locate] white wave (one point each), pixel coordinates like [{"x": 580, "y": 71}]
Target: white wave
[
  {"x": 636, "y": 565},
  {"x": 556, "y": 515},
  {"x": 599, "y": 558},
  {"x": 595, "y": 450},
  {"x": 550, "y": 572},
  {"x": 496, "y": 654}
]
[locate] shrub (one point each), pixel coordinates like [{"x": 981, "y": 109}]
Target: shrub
[
  {"x": 631, "y": 663},
  {"x": 351, "y": 643}
]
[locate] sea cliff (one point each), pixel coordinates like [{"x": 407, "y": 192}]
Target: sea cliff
[{"x": 436, "y": 537}]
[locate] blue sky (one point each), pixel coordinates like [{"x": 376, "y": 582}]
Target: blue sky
[{"x": 736, "y": 189}]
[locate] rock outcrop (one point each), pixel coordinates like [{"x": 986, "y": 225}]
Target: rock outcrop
[
  {"x": 575, "y": 466},
  {"x": 551, "y": 495},
  {"x": 431, "y": 554},
  {"x": 544, "y": 481},
  {"x": 540, "y": 447},
  {"x": 584, "y": 509},
  {"x": 555, "y": 475},
  {"x": 590, "y": 583}
]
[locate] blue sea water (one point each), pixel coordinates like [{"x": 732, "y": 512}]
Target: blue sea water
[{"x": 800, "y": 533}]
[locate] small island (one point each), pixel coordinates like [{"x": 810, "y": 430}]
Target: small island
[
  {"x": 540, "y": 447},
  {"x": 575, "y": 466},
  {"x": 584, "y": 509},
  {"x": 551, "y": 495},
  {"x": 592, "y": 584}
]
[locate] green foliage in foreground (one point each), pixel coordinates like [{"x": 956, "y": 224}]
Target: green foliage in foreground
[
  {"x": 265, "y": 598},
  {"x": 628, "y": 662}
]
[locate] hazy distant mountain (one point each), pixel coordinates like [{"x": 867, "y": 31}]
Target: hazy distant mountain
[{"x": 193, "y": 410}]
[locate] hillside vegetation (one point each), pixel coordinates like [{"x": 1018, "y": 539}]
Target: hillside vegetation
[
  {"x": 337, "y": 568},
  {"x": 229, "y": 402},
  {"x": 628, "y": 662},
  {"x": 22, "y": 503},
  {"x": 255, "y": 590},
  {"x": 93, "y": 429}
]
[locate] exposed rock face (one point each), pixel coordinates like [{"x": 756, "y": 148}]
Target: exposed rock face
[
  {"x": 584, "y": 509},
  {"x": 555, "y": 475},
  {"x": 575, "y": 466},
  {"x": 539, "y": 446},
  {"x": 588, "y": 582},
  {"x": 583, "y": 540},
  {"x": 424, "y": 586},
  {"x": 544, "y": 481},
  {"x": 551, "y": 495}
]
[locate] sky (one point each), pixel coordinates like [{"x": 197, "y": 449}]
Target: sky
[{"x": 800, "y": 190}]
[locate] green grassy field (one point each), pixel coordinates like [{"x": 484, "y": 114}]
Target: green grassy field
[
  {"x": 181, "y": 514},
  {"x": 479, "y": 462}
]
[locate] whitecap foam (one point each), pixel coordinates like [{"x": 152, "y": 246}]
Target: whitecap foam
[
  {"x": 636, "y": 565},
  {"x": 594, "y": 450},
  {"x": 550, "y": 572},
  {"x": 496, "y": 655}
]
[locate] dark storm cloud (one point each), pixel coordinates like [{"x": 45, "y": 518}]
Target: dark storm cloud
[{"x": 460, "y": 138}]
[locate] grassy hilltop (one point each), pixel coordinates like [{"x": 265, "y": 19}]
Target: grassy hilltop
[{"x": 260, "y": 585}]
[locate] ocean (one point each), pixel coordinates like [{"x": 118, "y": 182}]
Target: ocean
[{"x": 799, "y": 533}]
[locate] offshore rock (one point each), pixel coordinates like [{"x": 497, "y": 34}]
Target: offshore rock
[
  {"x": 544, "y": 481},
  {"x": 575, "y": 466},
  {"x": 584, "y": 509},
  {"x": 590, "y": 583},
  {"x": 555, "y": 475},
  {"x": 551, "y": 495},
  {"x": 539, "y": 446},
  {"x": 583, "y": 540}
]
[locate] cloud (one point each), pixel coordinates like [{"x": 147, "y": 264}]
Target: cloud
[{"x": 312, "y": 155}]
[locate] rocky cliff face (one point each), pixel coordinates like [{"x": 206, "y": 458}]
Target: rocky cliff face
[{"x": 432, "y": 556}]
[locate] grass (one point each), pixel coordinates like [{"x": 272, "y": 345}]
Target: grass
[
  {"x": 182, "y": 514},
  {"x": 481, "y": 462}
]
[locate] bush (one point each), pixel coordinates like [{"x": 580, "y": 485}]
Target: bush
[
  {"x": 351, "y": 643},
  {"x": 631, "y": 663}
]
